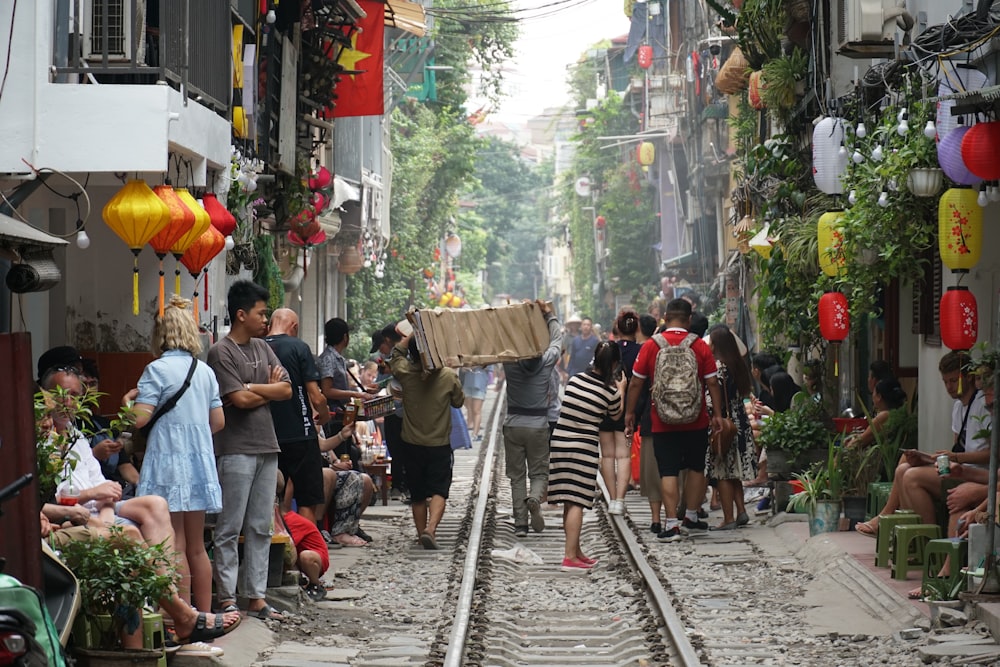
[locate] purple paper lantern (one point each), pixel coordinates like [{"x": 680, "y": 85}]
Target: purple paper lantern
[{"x": 950, "y": 158}]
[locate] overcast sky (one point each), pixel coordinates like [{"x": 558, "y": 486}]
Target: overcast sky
[{"x": 536, "y": 78}]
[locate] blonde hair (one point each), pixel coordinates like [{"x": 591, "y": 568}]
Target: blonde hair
[{"x": 176, "y": 330}]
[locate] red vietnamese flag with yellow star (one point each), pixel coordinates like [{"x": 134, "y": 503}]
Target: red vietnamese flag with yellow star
[{"x": 359, "y": 92}]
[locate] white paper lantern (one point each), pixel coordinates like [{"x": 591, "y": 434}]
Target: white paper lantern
[{"x": 829, "y": 164}]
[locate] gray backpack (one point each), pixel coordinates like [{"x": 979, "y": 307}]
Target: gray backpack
[{"x": 676, "y": 391}]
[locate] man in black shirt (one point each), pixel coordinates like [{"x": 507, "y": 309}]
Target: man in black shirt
[{"x": 296, "y": 420}]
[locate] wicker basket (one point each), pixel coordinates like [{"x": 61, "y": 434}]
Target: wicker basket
[
  {"x": 733, "y": 75},
  {"x": 378, "y": 407}
]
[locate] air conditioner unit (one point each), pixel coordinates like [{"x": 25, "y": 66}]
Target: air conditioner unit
[
  {"x": 867, "y": 28},
  {"x": 117, "y": 16}
]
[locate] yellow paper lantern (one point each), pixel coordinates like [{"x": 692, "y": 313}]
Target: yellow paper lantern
[
  {"x": 202, "y": 221},
  {"x": 960, "y": 229},
  {"x": 136, "y": 215},
  {"x": 831, "y": 241},
  {"x": 646, "y": 154}
]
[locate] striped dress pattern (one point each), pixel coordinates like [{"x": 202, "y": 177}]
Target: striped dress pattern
[{"x": 574, "y": 456}]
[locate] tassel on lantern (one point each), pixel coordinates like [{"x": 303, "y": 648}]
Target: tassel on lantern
[{"x": 135, "y": 284}]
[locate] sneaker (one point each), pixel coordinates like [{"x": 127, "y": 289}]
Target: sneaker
[
  {"x": 535, "y": 510},
  {"x": 200, "y": 650},
  {"x": 655, "y": 528},
  {"x": 520, "y": 531},
  {"x": 575, "y": 565},
  {"x": 702, "y": 514},
  {"x": 616, "y": 507},
  {"x": 589, "y": 561},
  {"x": 688, "y": 524},
  {"x": 670, "y": 535},
  {"x": 316, "y": 592}
]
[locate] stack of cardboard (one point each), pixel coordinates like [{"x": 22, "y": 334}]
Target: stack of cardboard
[{"x": 457, "y": 338}]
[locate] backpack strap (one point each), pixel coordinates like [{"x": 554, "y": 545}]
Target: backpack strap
[
  {"x": 661, "y": 341},
  {"x": 689, "y": 340}
]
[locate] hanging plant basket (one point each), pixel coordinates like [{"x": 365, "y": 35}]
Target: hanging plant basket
[
  {"x": 925, "y": 181},
  {"x": 733, "y": 75}
]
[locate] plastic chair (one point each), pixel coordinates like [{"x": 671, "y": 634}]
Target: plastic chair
[
  {"x": 909, "y": 541},
  {"x": 878, "y": 496},
  {"x": 886, "y": 525},
  {"x": 945, "y": 587}
]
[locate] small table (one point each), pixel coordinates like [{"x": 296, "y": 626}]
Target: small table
[{"x": 379, "y": 475}]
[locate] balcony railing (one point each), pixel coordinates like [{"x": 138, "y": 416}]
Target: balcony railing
[{"x": 187, "y": 43}]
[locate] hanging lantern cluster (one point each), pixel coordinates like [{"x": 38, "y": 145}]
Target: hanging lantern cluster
[
  {"x": 304, "y": 229},
  {"x": 834, "y": 322},
  {"x": 829, "y": 155},
  {"x": 830, "y": 239}
]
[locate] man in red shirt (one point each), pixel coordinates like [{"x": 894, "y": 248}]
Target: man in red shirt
[
  {"x": 677, "y": 446},
  {"x": 314, "y": 557}
]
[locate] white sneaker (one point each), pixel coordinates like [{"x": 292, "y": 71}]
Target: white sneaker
[
  {"x": 201, "y": 650},
  {"x": 616, "y": 507}
]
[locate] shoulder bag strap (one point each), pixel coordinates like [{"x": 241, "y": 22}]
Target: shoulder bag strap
[{"x": 172, "y": 401}]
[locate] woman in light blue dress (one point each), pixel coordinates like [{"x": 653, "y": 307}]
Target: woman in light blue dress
[{"x": 179, "y": 464}]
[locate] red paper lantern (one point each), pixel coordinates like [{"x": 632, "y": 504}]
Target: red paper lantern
[
  {"x": 321, "y": 179},
  {"x": 834, "y": 318},
  {"x": 645, "y": 56},
  {"x": 221, "y": 218},
  {"x": 979, "y": 150},
  {"x": 959, "y": 318},
  {"x": 600, "y": 222}
]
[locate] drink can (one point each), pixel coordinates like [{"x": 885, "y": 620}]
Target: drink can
[
  {"x": 943, "y": 464},
  {"x": 350, "y": 412}
]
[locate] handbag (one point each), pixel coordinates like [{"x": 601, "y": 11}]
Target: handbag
[
  {"x": 722, "y": 440},
  {"x": 140, "y": 437}
]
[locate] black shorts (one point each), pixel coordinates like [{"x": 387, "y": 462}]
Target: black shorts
[
  {"x": 608, "y": 424},
  {"x": 680, "y": 450},
  {"x": 300, "y": 461},
  {"x": 428, "y": 470}
]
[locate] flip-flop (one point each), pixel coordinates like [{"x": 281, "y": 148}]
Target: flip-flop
[
  {"x": 867, "y": 529},
  {"x": 345, "y": 540},
  {"x": 732, "y": 525},
  {"x": 428, "y": 541},
  {"x": 915, "y": 594},
  {"x": 268, "y": 613},
  {"x": 203, "y": 633}
]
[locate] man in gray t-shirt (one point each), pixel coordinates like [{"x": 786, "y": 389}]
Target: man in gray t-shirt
[{"x": 250, "y": 377}]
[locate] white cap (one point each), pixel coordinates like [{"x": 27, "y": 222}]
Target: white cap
[{"x": 404, "y": 328}]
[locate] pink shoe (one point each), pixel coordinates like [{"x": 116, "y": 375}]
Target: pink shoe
[
  {"x": 575, "y": 565},
  {"x": 589, "y": 561}
]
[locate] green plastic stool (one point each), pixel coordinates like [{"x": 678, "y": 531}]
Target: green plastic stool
[
  {"x": 886, "y": 525},
  {"x": 936, "y": 552},
  {"x": 878, "y": 496},
  {"x": 908, "y": 543}
]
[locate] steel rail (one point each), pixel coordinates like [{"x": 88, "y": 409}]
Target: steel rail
[{"x": 460, "y": 627}]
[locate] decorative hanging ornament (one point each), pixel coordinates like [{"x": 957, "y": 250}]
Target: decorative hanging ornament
[
  {"x": 950, "y": 157},
  {"x": 350, "y": 261},
  {"x": 755, "y": 89},
  {"x": 199, "y": 254},
  {"x": 979, "y": 150},
  {"x": 321, "y": 179},
  {"x": 181, "y": 220},
  {"x": 645, "y": 154},
  {"x": 960, "y": 229},
  {"x": 959, "y": 318},
  {"x": 828, "y": 164},
  {"x": 830, "y": 239},
  {"x": 316, "y": 239},
  {"x": 202, "y": 221},
  {"x": 136, "y": 215},
  {"x": 453, "y": 245},
  {"x": 645, "y": 56},
  {"x": 834, "y": 323},
  {"x": 218, "y": 214}
]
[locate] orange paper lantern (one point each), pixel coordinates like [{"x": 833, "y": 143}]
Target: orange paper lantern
[
  {"x": 202, "y": 221},
  {"x": 181, "y": 220},
  {"x": 202, "y": 251}
]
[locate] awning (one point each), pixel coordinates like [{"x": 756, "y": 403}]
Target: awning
[
  {"x": 18, "y": 235},
  {"x": 406, "y": 15}
]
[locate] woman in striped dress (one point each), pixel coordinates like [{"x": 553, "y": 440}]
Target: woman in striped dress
[{"x": 575, "y": 446}]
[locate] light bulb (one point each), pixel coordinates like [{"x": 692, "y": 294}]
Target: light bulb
[
  {"x": 82, "y": 240},
  {"x": 902, "y": 115},
  {"x": 930, "y": 130},
  {"x": 852, "y": 197},
  {"x": 883, "y": 199},
  {"x": 861, "y": 131},
  {"x": 877, "y": 153},
  {"x": 902, "y": 128},
  {"x": 367, "y": 263},
  {"x": 982, "y": 199},
  {"x": 994, "y": 193},
  {"x": 230, "y": 243},
  {"x": 858, "y": 157},
  {"x": 271, "y": 16},
  {"x": 842, "y": 153}
]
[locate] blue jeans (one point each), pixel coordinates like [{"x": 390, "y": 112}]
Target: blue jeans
[{"x": 248, "y": 491}]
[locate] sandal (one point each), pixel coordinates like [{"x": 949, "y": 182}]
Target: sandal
[
  {"x": 203, "y": 633},
  {"x": 346, "y": 540},
  {"x": 732, "y": 525},
  {"x": 428, "y": 541},
  {"x": 866, "y": 528},
  {"x": 915, "y": 594},
  {"x": 268, "y": 613}
]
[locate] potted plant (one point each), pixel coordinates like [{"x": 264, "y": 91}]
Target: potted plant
[
  {"x": 796, "y": 437},
  {"x": 860, "y": 467},
  {"x": 819, "y": 498},
  {"x": 118, "y": 578}
]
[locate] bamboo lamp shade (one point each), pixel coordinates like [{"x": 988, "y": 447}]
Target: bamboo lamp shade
[
  {"x": 830, "y": 239},
  {"x": 960, "y": 229},
  {"x": 959, "y": 315},
  {"x": 733, "y": 75}
]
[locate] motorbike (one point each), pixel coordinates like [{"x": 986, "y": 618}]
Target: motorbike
[{"x": 35, "y": 628}]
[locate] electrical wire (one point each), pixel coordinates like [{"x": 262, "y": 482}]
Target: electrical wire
[
  {"x": 81, "y": 220},
  {"x": 10, "y": 47}
]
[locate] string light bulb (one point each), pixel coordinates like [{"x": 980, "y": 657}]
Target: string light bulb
[
  {"x": 82, "y": 240},
  {"x": 842, "y": 152},
  {"x": 993, "y": 192},
  {"x": 883, "y": 199},
  {"x": 271, "y": 17},
  {"x": 862, "y": 132},
  {"x": 858, "y": 156},
  {"x": 902, "y": 128},
  {"x": 982, "y": 199},
  {"x": 852, "y": 197},
  {"x": 930, "y": 130},
  {"x": 230, "y": 243},
  {"x": 877, "y": 153}
]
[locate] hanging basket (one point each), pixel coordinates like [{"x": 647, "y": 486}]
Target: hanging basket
[
  {"x": 925, "y": 181},
  {"x": 733, "y": 75}
]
